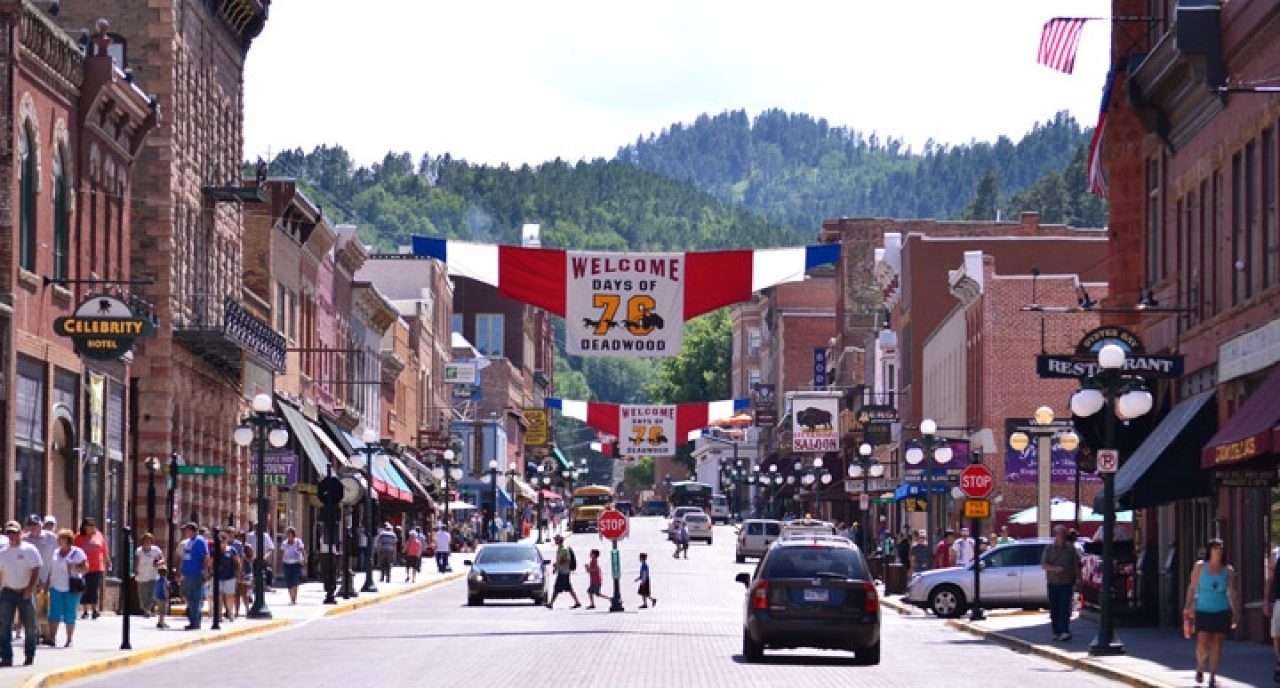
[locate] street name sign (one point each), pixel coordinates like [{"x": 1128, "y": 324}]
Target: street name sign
[
  {"x": 977, "y": 508},
  {"x": 612, "y": 525},
  {"x": 977, "y": 482},
  {"x": 191, "y": 469}
]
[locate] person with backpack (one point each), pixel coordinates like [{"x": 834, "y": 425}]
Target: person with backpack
[
  {"x": 566, "y": 563},
  {"x": 412, "y": 556}
]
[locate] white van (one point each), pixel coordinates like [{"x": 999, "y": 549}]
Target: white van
[
  {"x": 720, "y": 509},
  {"x": 754, "y": 537}
]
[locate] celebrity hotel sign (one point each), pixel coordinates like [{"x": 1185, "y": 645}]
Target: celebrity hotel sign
[{"x": 103, "y": 327}]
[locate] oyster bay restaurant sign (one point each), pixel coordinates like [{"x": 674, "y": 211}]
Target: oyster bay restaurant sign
[
  {"x": 104, "y": 328},
  {"x": 1084, "y": 362}
]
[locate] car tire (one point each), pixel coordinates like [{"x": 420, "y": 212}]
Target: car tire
[
  {"x": 867, "y": 656},
  {"x": 540, "y": 600},
  {"x": 751, "y": 650},
  {"x": 708, "y": 542},
  {"x": 947, "y": 602},
  {"x": 475, "y": 600},
  {"x": 740, "y": 559}
]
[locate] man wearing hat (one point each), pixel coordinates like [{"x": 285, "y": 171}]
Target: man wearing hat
[
  {"x": 43, "y": 534},
  {"x": 20, "y": 565}
]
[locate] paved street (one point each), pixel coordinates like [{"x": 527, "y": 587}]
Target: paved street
[{"x": 692, "y": 638}]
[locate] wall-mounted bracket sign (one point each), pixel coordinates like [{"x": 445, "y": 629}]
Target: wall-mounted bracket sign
[
  {"x": 1084, "y": 362},
  {"x": 104, "y": 328}
]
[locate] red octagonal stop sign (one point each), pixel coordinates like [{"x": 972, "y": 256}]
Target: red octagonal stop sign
[
  {"x": 612, "y": 525},
  {"x": 976, "y": 481}
]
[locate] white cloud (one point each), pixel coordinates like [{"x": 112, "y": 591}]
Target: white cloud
[{"x": 523, "y": 82}]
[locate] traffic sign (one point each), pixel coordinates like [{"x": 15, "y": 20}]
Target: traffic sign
[
  {"x": 977, "y": 508},
  {"x": 192, "y": 469},
  {"x": 612, "y": 525},
  {"x": 1108, "y": 460},
  {"x": 976, "y": 481},
  {"x": 864, "y": 501}
]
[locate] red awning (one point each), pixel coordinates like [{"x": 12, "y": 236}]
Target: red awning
[
  {"x": 550, "y": 495},
  {"x": 1251, "y": 432}
]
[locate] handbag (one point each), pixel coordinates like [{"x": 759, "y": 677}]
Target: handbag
[{"x": 76, "y": 584}]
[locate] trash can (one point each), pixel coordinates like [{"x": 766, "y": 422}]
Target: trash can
[{"x": 895, "y": 579}]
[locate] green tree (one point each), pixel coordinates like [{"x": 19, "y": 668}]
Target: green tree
[
  {"x": 985, "y": 199},
  {"x": 700, "y": 372},
  {"x": 639, "y": 475}
]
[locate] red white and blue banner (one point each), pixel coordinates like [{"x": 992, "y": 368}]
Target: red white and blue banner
[
  {"x": 624, "y": 304},
  {"x": 679, "y": 423}
]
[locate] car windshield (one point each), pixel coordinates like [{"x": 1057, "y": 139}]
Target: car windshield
[
  {"x": 507, "y": 555},
  {"x": 696, "y": 518},
  {"x": 814, "y": 562}
]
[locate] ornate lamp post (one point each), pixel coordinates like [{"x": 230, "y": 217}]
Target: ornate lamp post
[
  {"x": 263, "y": 427},
  {"x": 370, "y": 448},
  {"x": 513, "y": 470},
  {"x": 493, "y": 499},
  {"x": 938, "y": 450},
  {"x": 541, "y": 481},
  {"x": 866, "y": 467},
  {"x": 1122, "y": 397},
  {"x": 153, "y": 467},
  {"x": 449, "y": 474}
]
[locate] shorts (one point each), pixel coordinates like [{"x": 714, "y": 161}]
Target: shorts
[
  {"x": 292, "y": 575},
  {"x": 413, "y": 562},
  {"x": 62, "y": 606},
  {"x": 644, "y": 590},
  {"x": 1275, "y": 622},
  {"x": 92, "y": 584},
  {"x": 227, "y": 586},
  {"x": 1214, "y": 622},
  {"x": 562, "y": 583},
  {"x": 593, "y": 589}
]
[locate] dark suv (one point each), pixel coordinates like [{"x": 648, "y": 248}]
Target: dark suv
[{"x": 812, "y": 593}]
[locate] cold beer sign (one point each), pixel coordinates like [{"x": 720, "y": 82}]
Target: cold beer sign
[{"x": 625, "y": 305}]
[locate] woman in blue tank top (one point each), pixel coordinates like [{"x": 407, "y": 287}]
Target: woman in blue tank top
[{"x": 1211, "y": 596}]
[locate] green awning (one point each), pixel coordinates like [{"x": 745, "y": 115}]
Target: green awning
[
  {"x": 565, "y": 464},
  {"x": 299, "y": 429}
]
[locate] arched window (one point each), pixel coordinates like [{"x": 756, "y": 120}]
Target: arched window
[
  {"x": 61, "y": 218},
  {"x": 27, "y": 199}
]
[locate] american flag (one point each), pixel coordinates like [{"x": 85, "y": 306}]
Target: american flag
[
  {"x": 1097, "y": 177},
  {"x": 1058, "y": 43}
]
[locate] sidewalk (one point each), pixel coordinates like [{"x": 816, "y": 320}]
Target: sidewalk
[
  {"x": 97, "y": 642},
  {"x": 1156, "y": 657}
]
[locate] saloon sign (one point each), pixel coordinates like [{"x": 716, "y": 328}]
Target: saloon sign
[
  {"x": 814, "y": 423},
  {"x": 103, "y": 328},
  {"x": 1084, "y": 362}
]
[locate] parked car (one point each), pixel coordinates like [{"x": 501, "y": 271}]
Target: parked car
[
  {"x": 656, "y": 507},
  {"x": 754, "y": 537},
  {"x": 807, "y": 526},
  {"x": 682, "y": 511},
  {"x": 624, "y": 506},
  {"x": 720, "y": 509},
  {"x": 814, "y": 593},
  {"x": 1011, "y": 577},
  {"x": 507, "y": 570},
  {"x": 699, "y": 525}
]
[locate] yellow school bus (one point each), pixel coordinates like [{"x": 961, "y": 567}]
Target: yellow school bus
[{"x": 589, "y": 501}]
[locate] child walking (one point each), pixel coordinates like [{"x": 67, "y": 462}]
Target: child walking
[
  {"x": 646, "y": 598},
  {"x": 595, "y": 579}
]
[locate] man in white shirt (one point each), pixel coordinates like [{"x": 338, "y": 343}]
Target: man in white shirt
[
  {"x": 19, "y": 577},
  {"x": 46, "y": 541},
  {"x": 443, "y": 541},
  {"x": 962, "y": 549}
]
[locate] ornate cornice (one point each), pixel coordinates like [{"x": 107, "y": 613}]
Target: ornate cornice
[{"x": 49, "y": 48}]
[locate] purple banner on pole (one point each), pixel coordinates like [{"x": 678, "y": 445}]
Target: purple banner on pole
[
  {"x": 280, "y": 467},
  {"x": 1020, "y": 466}
]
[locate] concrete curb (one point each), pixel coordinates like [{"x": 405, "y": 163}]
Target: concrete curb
[
  {"x": 886, "y": 601},
  {"x": 69, "y": 674},
  {"x": 1080, "y": 663},
  {"x": 348, "y": 607}
]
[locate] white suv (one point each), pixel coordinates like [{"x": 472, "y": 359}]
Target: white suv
[
  {"x": 754, "y": 537},
  {"x": 699, "y": 525},
  {"x": 720, "y": 509}
]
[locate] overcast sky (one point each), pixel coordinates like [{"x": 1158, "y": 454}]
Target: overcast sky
[{"x": 494, "y": 81}]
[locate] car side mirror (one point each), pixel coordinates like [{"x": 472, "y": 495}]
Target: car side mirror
[
  {"x": 466, "y": 562},
  {"x": 744, "y": 578}
]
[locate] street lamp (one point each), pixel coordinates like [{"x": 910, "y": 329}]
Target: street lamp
[
  {"x": 493, "y": 500},
  {"x": 263, "y": 427},
  {"x": 938, "y": 451},
  {"x": 1123, "y": 397},
  {"x": 449, "y": 474},
  {"x": 1044, "y": 430},
  {"x": 866, "y": 467},
  {"x": 1069, "y": 441},
  {"x": 370, "y": 438},
  {"x": 513, "y": 470},
  {"x": 541, "y": 481}
]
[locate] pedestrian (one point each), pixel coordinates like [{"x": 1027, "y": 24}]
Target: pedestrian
[
  {"x": 293, "y": 555},
  {"x": 45, "y": 541},
  {"x": 905, "y": 542},
  {"x": 595, "y": 578},
  {"x": 19, "y": 577},
  {"x": 362, "y": 547},
  {"x": 993, "y": 540},
  {"x": 90, "y": 540},
  {"x": 66, "y": 566},
  {"x": 1061, "y": 564},
  {"x": 1004, "y": 538},
  {"x": 147, "y": 559},
  {"x": 1211, "y": 598},
  {"x": 674, "y": 536},
  {"x": 646, "y": 589},
  {"x": 962, "y": 550},
  {"x": 919, "y": 555},
  {"x": 162, "y": 595},
  {"x": 384, "y": 547},
  {"x": 245, "y": 588},
  {"x": 412, "y": 556},
  {"x": 443, "y": 542},
  {"x": 942, "y": 553},
  {"x": 194, "y": 570},
  {"x": 565, "y": 564},
  {"x": 229, "y": 568},
  {"x": 684, "y": 539}
]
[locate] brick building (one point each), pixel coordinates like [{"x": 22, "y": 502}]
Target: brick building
[{"x": 76, "y": 124}]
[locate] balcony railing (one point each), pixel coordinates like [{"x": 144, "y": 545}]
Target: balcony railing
[{"x": 222, "y": 333}]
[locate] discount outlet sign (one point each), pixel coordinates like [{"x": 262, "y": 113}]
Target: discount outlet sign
[
  {"x": 612, "y": 525},
  {"x": 976, "y": 481}
]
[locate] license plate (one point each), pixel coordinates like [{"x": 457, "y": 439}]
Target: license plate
[{"x": 816, "y": 595}]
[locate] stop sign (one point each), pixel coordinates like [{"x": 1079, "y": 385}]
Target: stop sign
[
  {"x": 612, "y": 525},
  {"x": 976, "y": 481}
]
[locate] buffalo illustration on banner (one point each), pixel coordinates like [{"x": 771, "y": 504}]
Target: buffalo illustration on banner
[
  {"x": 815, "y": 424},
  {"x": 624, "y": 305},
  {"x": 647, "y": 430}
]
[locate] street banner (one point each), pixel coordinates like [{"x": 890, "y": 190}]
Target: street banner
[
  {"x": 458, "y": 373},
  {"x": 624, "y": 305},
  {"x": 1020, "y": 467},
  {"x": 647, "y": 430},
  {"x": 536, "y": 433},
  {"x": 280, "y": 467},
  {"x": 815, "y": 425},
  {"x": 819, "y": 368}
]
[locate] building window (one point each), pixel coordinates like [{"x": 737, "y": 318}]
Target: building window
[
  {"x": 1270, "y": 240},
  {"x": 1154, "y": 258},
  {"x": 753, "y": 378},
  {"x": 29, "y": 430},
  {"x": 455, "y": 323},
  {"x": 1237, "y": 271},
  {"x": 61, "y": 219},
  {"x": 27, "y": 199},
  {"x": 489, "y": 334},
  {"x": 1252, "y": 256},
  {"x": 753, "y": 347},
  {"x": 1219, "y": 228}
]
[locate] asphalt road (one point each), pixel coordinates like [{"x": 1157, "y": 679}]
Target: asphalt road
[{"x": 691, "y": 638}]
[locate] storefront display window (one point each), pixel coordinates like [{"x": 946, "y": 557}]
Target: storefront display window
[{"x": 29, "y": 431}]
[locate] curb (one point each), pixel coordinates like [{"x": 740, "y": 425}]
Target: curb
[
  {"x": 886, "y": 601},
  {"x": 60, "y": 676},
  {"x": 1080, "y": 663},
  {"x": 386, "y": 597}
]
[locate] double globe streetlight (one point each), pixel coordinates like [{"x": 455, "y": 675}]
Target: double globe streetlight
[
  {"x": 449, "y": 474},
  {"x": 1124, "y": 398},
  {"x": 264, "y": 427},
  {"x": 866, "y": 467},
  {"x": 938, "y": 450}
]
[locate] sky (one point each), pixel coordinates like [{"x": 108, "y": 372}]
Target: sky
[{"x": 497, "y": 81}]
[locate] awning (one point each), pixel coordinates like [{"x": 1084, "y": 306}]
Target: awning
[
  {"x": 299, "y": 428},
  {"x": 412, "y": 481},
  {"x": 482, "y": 489},
  {"x": 524, "y": 490},
  {"x": 387, "y": 484},
  {"x": 1165, "y": 468},
  {"x": 1064, "y": 510},
  {"x": 918, "y": 489},
  {"x": 336, "y": 455},
  {"x": 548, "y": 494},
  {"x": 565, "y": 464},
  {"x": 1249, "y": 433}
]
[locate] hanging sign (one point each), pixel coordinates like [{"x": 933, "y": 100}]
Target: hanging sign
[
  {"x": 647, "y": 430},
  {"x": 536, "y": 433},
  {"x": 103, "y": 328},
  {"x": 457, "y": 373},
  {"x": 624, "y": 305},
  {"x": 814, "y": 424},
  {"x": 1084, "y": 362}
]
